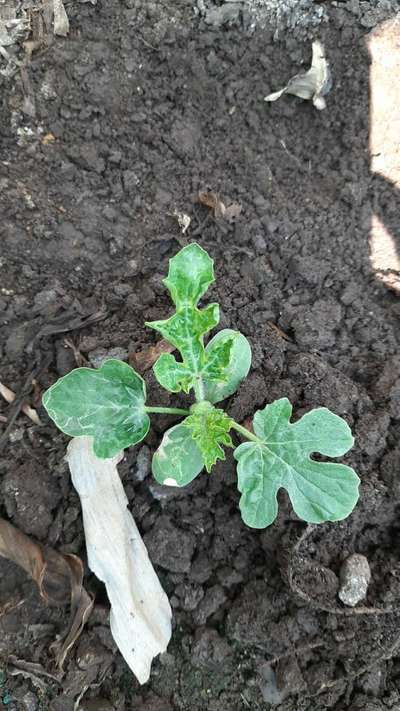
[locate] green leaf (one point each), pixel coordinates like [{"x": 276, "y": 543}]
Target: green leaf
[
  {"x": 178, "y": 459},
  {"x": 185, "y": 330},
  {"x": 217, "y": 369},
  {"x": 319, "y": 491},
  {"x": 231, "y": 373},
  {"x": 209, "y": 428},
  {"x": 190, "y": 274},
  {"x": 107, "y": 404},
  {"x": 173, "y": 376}
]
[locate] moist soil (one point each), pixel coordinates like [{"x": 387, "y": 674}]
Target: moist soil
[{"x": 111, "y": 130}]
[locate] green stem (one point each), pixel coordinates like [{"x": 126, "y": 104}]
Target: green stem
[
  {"x": 199, "y": 391},
  {"x": 245, "y": 433},
  {"x": 168, "y": 410}
]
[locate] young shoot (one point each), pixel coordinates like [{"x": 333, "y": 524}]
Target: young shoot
[{"x": 109, "y": 405}]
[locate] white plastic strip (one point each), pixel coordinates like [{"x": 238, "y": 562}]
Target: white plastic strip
[{"x": 140, "y": 615}]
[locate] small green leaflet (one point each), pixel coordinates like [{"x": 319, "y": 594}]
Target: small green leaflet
[
  {"x": 236, "y": 370},
  {"x": 190, "y": 274},
  {"x": 107, "y": 404},
  {"x": 178, "y": 459},
  {"x": 209, "y": 427},
  {"x": 319, "y": 491}
]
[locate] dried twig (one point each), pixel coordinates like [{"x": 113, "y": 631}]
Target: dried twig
[{"x": 9, "y": 396}]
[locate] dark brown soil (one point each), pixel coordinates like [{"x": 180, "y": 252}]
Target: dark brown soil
[{"x": 145, "y": 107}]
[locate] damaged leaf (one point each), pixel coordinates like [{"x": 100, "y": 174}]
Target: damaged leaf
[
  {"x": 313, "y": 84},
  {"x": 178, "y": 459},
  {"x": 236, "y": 370},
  {"x": 58, "y": 576}
]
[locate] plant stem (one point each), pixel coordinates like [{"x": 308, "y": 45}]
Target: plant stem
[
  {"x": 199, "y": 391},
  {"x": 168, "y": 410},
  {"x": 245, "y": 433}
]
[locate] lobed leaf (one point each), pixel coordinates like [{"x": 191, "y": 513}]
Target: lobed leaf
[
  {"x": 319, "y": 491},
  {"x": 209, "y": 428},
  {"x": 173, "y": 376},
  {"x": 107, "y": 404},
  {"x": 178, "y": 459},
  {"x": 190, "y": 274}
]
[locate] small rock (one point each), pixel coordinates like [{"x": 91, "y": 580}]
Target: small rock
[
  {"x": 169, "y": 546},
  {"x": 209, "y": 649},
  {"x": 130, "y": 181},
  {"x": 29, "y": 495},
  {"x": 289, "y": 678},
  {"x": 160, "y": 492},
  {"x": 62, "y": 703},
  {"x": 110, "y": 213},
  {"x": 44, "y": 299},
  {"x": 214, "y": 598},
  {"x": 99, "y": 355},
  {"x": 16, "y": 341},
  {"x": 221, "y": 15},
  {"x": 143, "y": 463},
  {"x": 269, "y": 688},
  {"x": 355, "y": 575},
  {"x": 29, "y": 702},
  {"x": 190, "y": 595},
  {"x": 96, "y": 705}
]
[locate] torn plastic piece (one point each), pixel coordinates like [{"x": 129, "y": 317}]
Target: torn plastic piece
[{"x": 140, "y": 616}]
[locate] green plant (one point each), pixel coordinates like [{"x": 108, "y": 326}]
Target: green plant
[{"x": 109, "y": 404}]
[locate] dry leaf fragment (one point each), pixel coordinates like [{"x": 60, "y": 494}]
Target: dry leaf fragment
[
  {"x": 59, "y": 579},
  {"x": 213, "y": 201},
  {"x": 30, "y": 670},
  {"x": 184, "y": 220},
  {"x": 48, "y": 138},
  {"x": 312, "y": 84},
  {"x": 9, "y": 396},
  {"x": 143, "y": 360}
]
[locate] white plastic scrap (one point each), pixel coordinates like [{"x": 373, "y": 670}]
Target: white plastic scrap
[
  {"x": 312, "y": 84},
  {"x": 61, "y": 22},
  {"x": 140, "y": 616}
]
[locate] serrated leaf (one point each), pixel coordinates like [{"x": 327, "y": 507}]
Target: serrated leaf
[
  {"x": 178, "y": 459},
  {"x": 231, "y": 374},
  {"x": 209, "y": 427},
  {"x": 319, "y": 491},
  {"x": 185, "y": 330},
  {"x": 107, "y": 404},
  {"x": 190, "y": 274}
]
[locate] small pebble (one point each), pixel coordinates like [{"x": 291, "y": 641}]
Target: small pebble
[
  {"x": 29, "y": 702},
  {"x": 355, "y": 575},
  {"x": 143, "y": 463}
]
